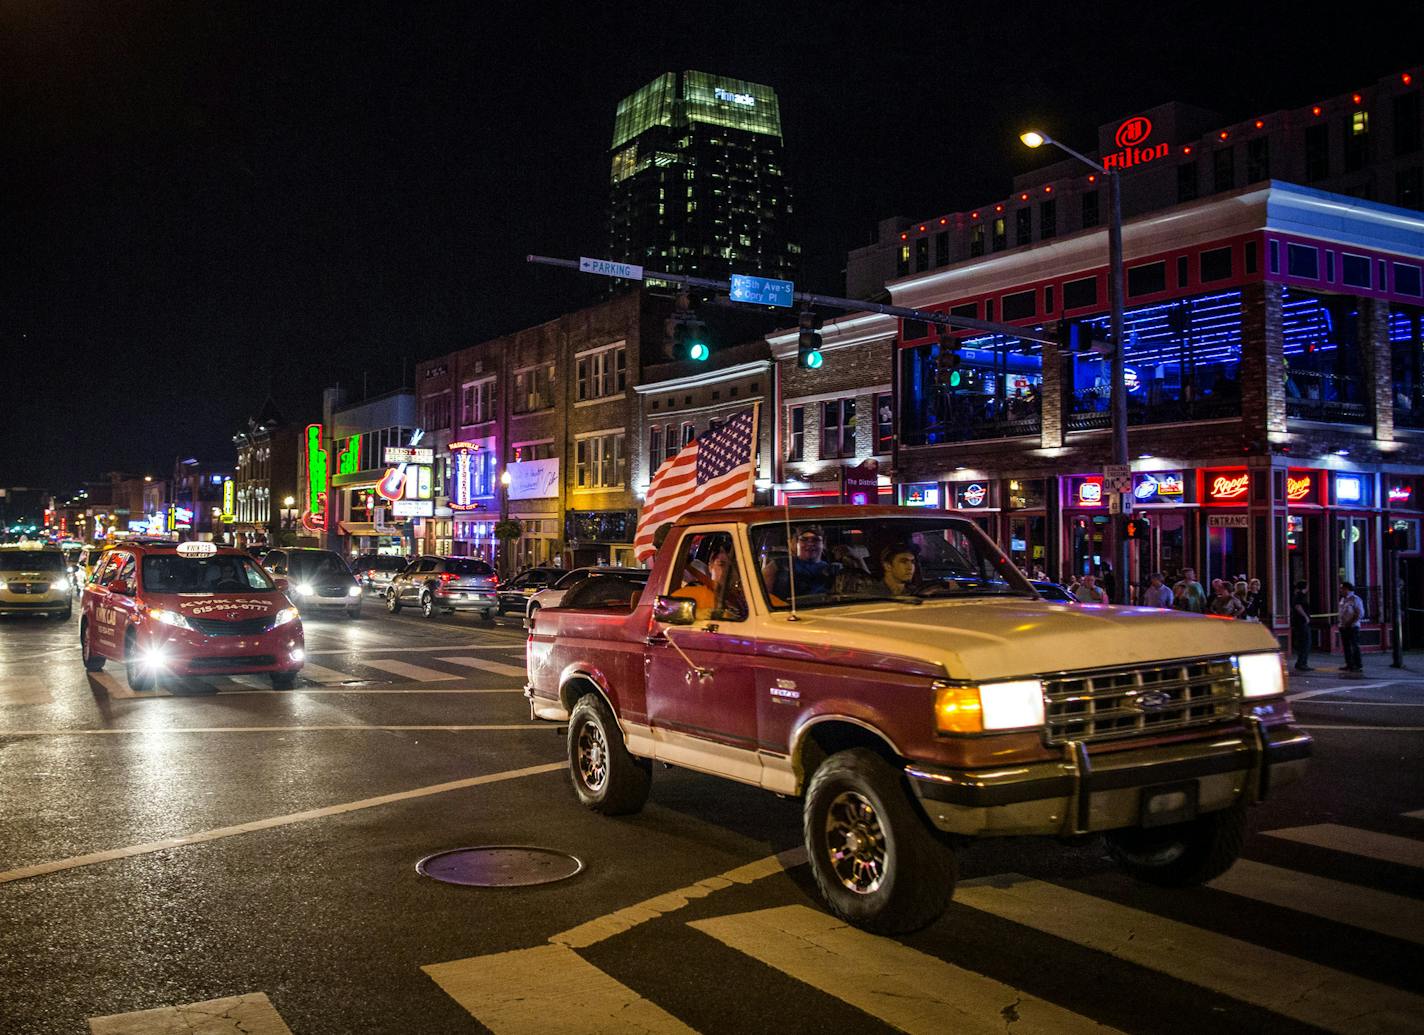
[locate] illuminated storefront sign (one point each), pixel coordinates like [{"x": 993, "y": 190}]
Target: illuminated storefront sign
[
  {"x": 1158, "y": 487},
  {"x": 1087, "y": 492},
  {"x": 229, "y": 508},
  {"x": 1231, "y": 486},
  {"x": 348, "y": 461},
  {"x": 534, "y": 479},
  {"x": 971, "y": 496},
  {"x": 1304, "y": 486},
  {"x": 1401, "y": 494},
  {"x": 318, "y": 467},
  {"x": 462, "y": 475},
  {"x": 1350, "y": 490},
  {"x": 919, "y": 494},
  {"x": 409, "y": 455},
  {"x": 1130, "y": 136}
]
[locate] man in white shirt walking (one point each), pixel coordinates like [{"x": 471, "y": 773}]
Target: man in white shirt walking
[{"x": 1352, "y": 613}]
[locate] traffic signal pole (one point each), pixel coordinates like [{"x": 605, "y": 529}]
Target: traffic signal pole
[{"x": 1119, "y": 376}]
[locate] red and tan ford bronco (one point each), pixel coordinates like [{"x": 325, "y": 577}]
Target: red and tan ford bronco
[{"x": 899, "y": 674}]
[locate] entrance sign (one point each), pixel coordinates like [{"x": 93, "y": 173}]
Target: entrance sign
[
  {"x": 762, "y": 291},
  {"x": 605, "y": 268},
  {"x": 1228, "y": 520}
]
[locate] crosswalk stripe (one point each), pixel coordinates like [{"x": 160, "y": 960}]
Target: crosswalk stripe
[
  {"x": 548, "y": 988},
  {"x": 1366, "y": 908},
  {"x": 1418, "y": 814},
  {"x": 252, "y": 1013},
  {"x": 1385, "y": 847},
  {"x": 1295, "y": 988},
  {"x": 36, "y": 694},
  {"x": 497, "y": 667},
  {"x": 902, "y": 987},
  {"x": 322, "y": 674},
  {"x": 416, "y": 673}
]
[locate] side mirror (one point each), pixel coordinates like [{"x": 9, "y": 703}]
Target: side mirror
[
  {"x": 674, "y": 611},
  {"x": 123, "y": 587},
  {"x": 280, "y": 581}
]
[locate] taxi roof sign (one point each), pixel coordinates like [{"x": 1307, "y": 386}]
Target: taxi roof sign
[{"x": 196, "y": 549}]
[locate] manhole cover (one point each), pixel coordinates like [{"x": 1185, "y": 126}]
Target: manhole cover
[{"x": 499, "y": 866}]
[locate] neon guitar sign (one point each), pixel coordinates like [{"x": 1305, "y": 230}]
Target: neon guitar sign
[{"x": 391, "y": 484}]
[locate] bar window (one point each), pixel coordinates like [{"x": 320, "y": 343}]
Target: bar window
[
  {"x": 838, "y": 428},
  {"x": 797, "y": 447},
  {"x": 884, "y": 423}
]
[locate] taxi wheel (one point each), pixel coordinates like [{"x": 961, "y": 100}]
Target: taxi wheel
[
  {"x": 392, "y": 602},
  {"x": 140, "y": 679},
  {"x": 427, "y": 605},
  {"x": 93, "y": 662}
]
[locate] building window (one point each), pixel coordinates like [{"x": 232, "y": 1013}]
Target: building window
[
  {"x": 942, "y": 248},
  {"x": 976, "y": 240},
  {"x": 884, "y": 423},
  {"x": 1357, "y": 141},
  {"x": 533, "y": 388},
  {"x": 1021, "y": 305},
  {"x": 655, "y": 446},
  {"x": 837, "y": 428},
  {"x": 922, "y": 254},
  {"x": 1090, "y": 209},
  {"x": 1258, "y": 159},
  {"x": 1406, "y": 123},
  {"x": 1048, "y": 219},
  {"x": 1023, "y": 225},
  {"x": 689, "y": 433},
  {"x": 1079, "y": 294},
  {"x": 1317, "y": 152},
  {"x": 524, "y": 451},
  {"x": 603, "y": 373},
  {"x": 477, "y": 402},
  {"x": 1223, "y": 169},
  {"x": 1001, "y": 230},
  {"x": 902, "y": 260},
  {"x": 1147, "y": 279},
  {"x": 598, "y": 461},
  {"x": 1216, "y": 264},
  {"x": 1302, "y": 261},
  {"x": 1187, "y": 181},
  {"x": 436, "y": 412}
]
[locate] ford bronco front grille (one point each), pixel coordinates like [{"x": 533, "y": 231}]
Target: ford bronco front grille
[{"x": 1109, "y": 704}]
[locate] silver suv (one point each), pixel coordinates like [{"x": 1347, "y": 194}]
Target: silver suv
[{"x": 444, "y": 584}]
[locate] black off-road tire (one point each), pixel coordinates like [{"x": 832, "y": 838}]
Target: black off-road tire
[
  {"x": 393, "y": 604},
  {"x": 607, "y": 779},
  {"x": 140, "y": 681},
  {"x": 916, "y": 872},
  {"x": 93, "y": 662},
  {"x": 1184, "y": 854},
  {"x": 283, "y": 680}
]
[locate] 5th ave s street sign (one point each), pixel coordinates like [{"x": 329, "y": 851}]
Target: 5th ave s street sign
[{"x": 762, "y": 291}]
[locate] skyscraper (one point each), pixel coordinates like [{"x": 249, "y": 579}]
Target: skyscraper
[{"x": 697, "y": 182}]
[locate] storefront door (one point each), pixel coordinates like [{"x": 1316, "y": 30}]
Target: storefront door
[
  {"x": 1169, "y": 544},
  {"x": 1087, "y": 543},
  {"x": 1226, "y": 551},
  {"x": 1027, "y": 542}
]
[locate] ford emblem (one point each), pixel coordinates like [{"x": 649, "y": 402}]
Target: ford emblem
[{"x": 1151, "y": 700}]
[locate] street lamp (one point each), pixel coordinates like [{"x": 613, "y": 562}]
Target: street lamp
[
  {"x": 289, "y": 512},
  {"x": 1118, "y": 406},
  {"x": 504, "y": 480}
]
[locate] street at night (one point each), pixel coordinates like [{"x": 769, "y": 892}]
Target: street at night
[{"x": 218, "y": 839}]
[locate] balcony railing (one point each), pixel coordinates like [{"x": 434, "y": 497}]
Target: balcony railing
[
  {"x": 1336, "y": 398},
  {"x": 1094, "y": 413}
]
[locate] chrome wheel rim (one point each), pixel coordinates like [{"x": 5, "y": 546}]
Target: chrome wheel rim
[
  {"x": 427, "y": 606},
  {"x": 855, "y": 843},
  {"x": 592, "y": 756}
]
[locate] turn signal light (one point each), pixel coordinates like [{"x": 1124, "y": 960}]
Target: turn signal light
[{"x": 957, "y": 710}]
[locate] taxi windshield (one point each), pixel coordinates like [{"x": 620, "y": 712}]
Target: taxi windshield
[
  {"x": 224, "y": 573},
  {"x": 848, "y": 561},
  {"x": 31, "y": 560}
]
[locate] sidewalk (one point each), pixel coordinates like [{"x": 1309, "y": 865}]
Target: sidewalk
[{"x": 1377, "y": 667}]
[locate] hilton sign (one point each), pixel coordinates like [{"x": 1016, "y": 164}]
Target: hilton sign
[{"x": 1132, "y": 137}]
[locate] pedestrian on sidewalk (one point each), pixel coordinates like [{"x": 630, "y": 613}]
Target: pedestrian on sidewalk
[
  {"x": 1352, "y": 613},
  {"x": 1157, "y": 593},
  {"x": 1255, "y": 603},
  {"x": 1188, "y": 593},
  {"x": 1300, "y": 627},
  {"x": 1087, "y": 591},
  {"x": 1224, "y": 604}
]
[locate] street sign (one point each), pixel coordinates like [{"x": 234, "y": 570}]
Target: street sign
[
  {"x": 605, "y": 268},
  {"x": 762, "y": 291},
  {"x": 1117, "y": 477},
  {"x": 413, "y": 508},
  {"x": 409, "y": 455}
]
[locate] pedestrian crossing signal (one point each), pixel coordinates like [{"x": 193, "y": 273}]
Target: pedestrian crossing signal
[{"x": 1136, "y": 528}]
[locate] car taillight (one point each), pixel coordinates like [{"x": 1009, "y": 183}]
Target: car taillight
[{"x": 447, "y": 576}]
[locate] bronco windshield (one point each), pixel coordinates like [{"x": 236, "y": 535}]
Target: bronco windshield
[
  {"x": 848, "y": 561},
  {"x": 223, "y": 573}
]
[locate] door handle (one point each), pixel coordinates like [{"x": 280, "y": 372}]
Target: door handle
[{"x": 656, "y": 640}]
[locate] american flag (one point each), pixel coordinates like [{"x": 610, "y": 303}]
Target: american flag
[{"x": 709, "y": 473}]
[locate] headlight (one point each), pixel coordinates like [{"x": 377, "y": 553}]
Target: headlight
[
  {"x": 991, "y": 706},
  {"x": 2, "y": 586},
  {"x": 303, "y": 590},
  {"x": 58, "y": 587},
  {"x": 154, "y": 658},
  {"x": 282, "y": 617},
  {"x": 354, "y": 591},
  {"x": 1261, "y": 675},
  {"x": 172, "y": 618}
]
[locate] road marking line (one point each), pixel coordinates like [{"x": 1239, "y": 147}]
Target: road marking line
[
  {"x": 1369, "y": 704},
  {"x": 498, "y": 668},
  {"x": 40, "y": 694},
  {"x": 603, "y": 927},
  {"x": 252, "y": 1014},
  {"x": 548, "y": 988},
  {"x": 346, "y": 651},
  {"x": 308, "y": 690},
  {"x": 1374, "y": 729},
  {"x": 269, "y": 729},
  {"x": 1305, "y": 695},
  {"x": 415, "y": 673},
  {"x": 92, "y": 858},
  {"x": 1415, "y": 815},
  {"x": 906, "y": 989},
  {"x": 1283, "y": 984},
  {"x": 1385, "y": 847},
  {"x": 1366, "y": 908},
  {"x": 322, "y": 674}
]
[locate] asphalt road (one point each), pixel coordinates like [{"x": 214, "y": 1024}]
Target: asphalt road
[{"x": 220, "y": 857}]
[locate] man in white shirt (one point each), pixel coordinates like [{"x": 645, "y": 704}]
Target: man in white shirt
[
  {"x": 1157, "y": 593},
  {"x": 1352, "y": 613}
]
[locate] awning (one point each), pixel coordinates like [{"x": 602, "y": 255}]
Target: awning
[{"x": 369, "y": 528}]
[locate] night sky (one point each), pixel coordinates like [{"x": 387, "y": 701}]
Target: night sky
[{"x": 204, "y": 202}]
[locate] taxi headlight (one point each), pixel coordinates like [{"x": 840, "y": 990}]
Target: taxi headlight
[
  {"x": 1261, "y": 675},
  {"x": 282, "y": 617},
  {"x": 172, "y": 618},
  {"x": 354, "y": 591},
  {"x": 990, "y": 706}
]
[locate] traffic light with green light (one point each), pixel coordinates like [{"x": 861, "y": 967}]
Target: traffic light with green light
[{"x": 808, "y": 341}]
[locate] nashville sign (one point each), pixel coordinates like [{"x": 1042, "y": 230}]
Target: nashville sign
[{"x": 1130, "y": 137}]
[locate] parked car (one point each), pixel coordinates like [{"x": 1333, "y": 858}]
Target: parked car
[
  {"x": 444, "y": 584},
  {"x": 375, "y": 570},
  {"x": 194, "y": 609},
  {"x": 554, "y": 594},
  {"x": 315, "y": 580},
  {"x": 911, "y": 714},
  {"x": 514, "y": 595}
]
